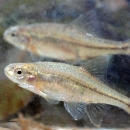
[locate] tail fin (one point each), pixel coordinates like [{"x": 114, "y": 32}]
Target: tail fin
[
  {"x": 126, "y": 46},
  {"x": 126, "y": 107}
]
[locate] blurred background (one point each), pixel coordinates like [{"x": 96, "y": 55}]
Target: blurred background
[{"x": 113, "y": 19}]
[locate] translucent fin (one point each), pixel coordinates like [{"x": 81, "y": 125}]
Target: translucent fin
[
  {"x": 49, "y": 98},
  {"x": 35, "y": 57},
  {"x": 98, "y": 67},
  {"x": 52, "y": 101},
  {"x": 76, "y": 110},
  {"x": 95, "y": 113},
  {"x": 88, "y": 22}
]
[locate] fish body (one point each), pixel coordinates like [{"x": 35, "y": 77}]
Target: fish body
[
  {"x": 71, "y": 84},
  {"x": 62, "y": 41}
]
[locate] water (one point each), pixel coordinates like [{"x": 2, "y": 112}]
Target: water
[{"x": 115, "y": 27}]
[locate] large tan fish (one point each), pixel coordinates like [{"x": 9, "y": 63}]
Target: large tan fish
[
  {"x": 64, "y": 41},
  {"x": 81, "y": 88}
]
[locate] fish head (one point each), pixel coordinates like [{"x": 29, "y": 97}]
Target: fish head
[
  {"x": 22, "y": 74},
  {"x": 17, "y": 36}
]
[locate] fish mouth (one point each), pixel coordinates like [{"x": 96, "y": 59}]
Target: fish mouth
[
  {"x": 5, "y": 33},
  {"x": 8, "y": 71}
]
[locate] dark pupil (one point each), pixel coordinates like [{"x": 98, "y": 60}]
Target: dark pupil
[
  {"x": 19, "y": 72},
  {"x": 13, "y": 34}
]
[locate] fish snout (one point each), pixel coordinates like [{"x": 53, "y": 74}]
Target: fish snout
[
  {"x": 6, "y": 34},
  {"x": 9, "y": 70},
  {"x": 10, "y": 33}
]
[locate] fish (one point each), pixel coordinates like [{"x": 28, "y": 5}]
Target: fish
[
  {"x": 83, "y": 89},
  {"x": 78, "y": 40}
]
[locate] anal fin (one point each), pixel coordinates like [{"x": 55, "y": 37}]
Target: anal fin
[{"x": 95, "y": 113}]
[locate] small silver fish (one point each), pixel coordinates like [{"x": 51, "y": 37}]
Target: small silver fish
[
  {"x": 64, "y": 41},
  {"x": 81, "y": 88}
]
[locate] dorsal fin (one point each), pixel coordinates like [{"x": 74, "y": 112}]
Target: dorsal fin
[
  {"x": 88, "y": 22},
  {"x": 98, "y": 67}
]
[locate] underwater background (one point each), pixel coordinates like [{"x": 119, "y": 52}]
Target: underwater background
[{"x": 113, "y": 18}]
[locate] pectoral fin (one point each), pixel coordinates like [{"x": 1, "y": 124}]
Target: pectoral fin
[
  {"x": 76, "y": 110},
  {"x": 50, "y": 99}
]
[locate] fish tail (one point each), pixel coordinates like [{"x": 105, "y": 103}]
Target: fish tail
[
  {"x": 126, "y": 46},
  {"x": 124, "y": 103},
  {"x": 126, "y": 108},
  {"x": 129, "y": 109}
]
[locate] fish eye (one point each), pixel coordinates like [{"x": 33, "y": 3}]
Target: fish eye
[
  {"x": 13, "y": 34},
  {"x": 18, "y": 72}
]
